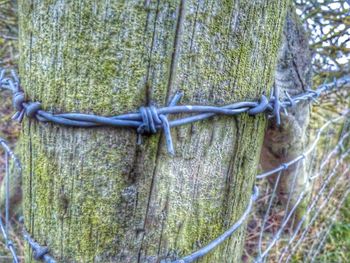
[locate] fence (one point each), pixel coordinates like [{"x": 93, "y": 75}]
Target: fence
[
  {"x": 287, "y": 234},
  {"x": 273, "y": 228}
]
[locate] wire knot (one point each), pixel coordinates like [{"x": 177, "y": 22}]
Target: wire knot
[
  {"x": 32, "y": 108},
  {"x": 290, "y": 99},
  {"x": 314, "y": 93},
  {"x": 277, "y": 105},
  {"x": 18, "y": 100},
  {"x": 284, "y": 166},
  {"x": 261, "y": 107},
  {"x": 40, "y": 252},
  {"x": 152, "y": 122},
  {"x": 9, "y": 243},
  {"x": 29, "y": 109}
]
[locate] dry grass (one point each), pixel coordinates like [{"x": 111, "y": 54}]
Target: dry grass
[{"x": 328, "y": 201}]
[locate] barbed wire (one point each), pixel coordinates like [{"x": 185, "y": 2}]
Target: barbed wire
[
  {"x": 150, "y": 119},
  {"x": 200, "y": 253},
  {"x": 40, "y": 252}
]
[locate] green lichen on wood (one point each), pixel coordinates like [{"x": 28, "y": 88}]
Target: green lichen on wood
[{"x": 93, "y": 195}]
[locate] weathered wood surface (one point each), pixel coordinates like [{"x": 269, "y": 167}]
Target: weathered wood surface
[
  {"x": 289, "y": 140},
  {"x": 93, "y": 195}
]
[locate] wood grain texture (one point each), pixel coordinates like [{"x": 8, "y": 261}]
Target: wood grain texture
[
  {"x": 92, "y": 195},
  {"x": 289, "y": 140}
]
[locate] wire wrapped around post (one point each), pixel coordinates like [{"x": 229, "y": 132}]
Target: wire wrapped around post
[{"x": 150, "y": 119}]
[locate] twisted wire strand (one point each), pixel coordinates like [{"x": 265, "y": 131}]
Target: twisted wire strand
[
  {"x": 263, "y": 255},
  {"x": 4, "y": 226},
  {"x": 149, "y": 120},
  {"x": 228, "y": 233},
  {"x": 313, "y": 204},
  {"x": 329, "y": 227},
  {"x": 40, "y": 253},
  {"x": 285, "y": 166},
  {"x": 315, "y": 215}
]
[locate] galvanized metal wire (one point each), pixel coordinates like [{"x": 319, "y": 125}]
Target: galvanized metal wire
[
  {"x": 335, "y": 159},
  {"x": 216, "y": 242},
  {"x": 40, "y": 252},
  {"x": 4, "y": 226},
  {"x": 289, "y": 212},
  {"x": 311, "y": 220},
  {"x": 315, "y": 250},
  {"x": 151, "y": 119}
]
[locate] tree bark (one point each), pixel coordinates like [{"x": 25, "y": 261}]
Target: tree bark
[
  {"x": 93, "y": 195},
  {"x": 283, "y": 143}
]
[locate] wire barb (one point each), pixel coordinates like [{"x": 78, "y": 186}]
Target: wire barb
[
  {"x": 40, "y": 252},
  {"x": 150, "y": 119}
]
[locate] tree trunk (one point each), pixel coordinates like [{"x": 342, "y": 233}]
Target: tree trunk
[
  {"x": 93, "y": 195},
  {"x": 285, "y": 142}
]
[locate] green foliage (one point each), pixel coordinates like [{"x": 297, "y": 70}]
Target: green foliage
[
  {"x": 329, "y": 26},
  {"x": 337, "y": 247}
]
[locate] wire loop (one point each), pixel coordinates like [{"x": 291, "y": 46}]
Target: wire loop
[{"x": 150, "y": 119}]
